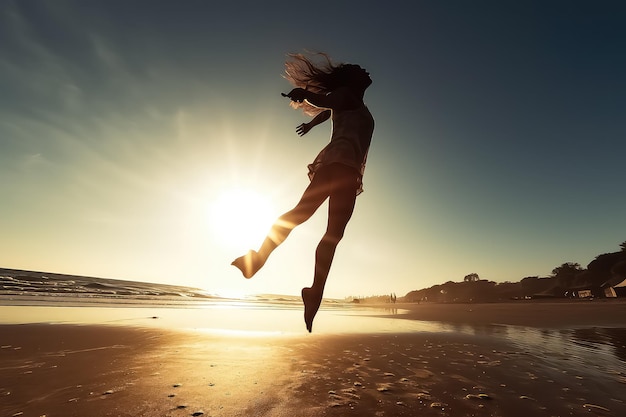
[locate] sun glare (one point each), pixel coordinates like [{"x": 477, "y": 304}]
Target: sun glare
[{"x": 241, "y": 218}]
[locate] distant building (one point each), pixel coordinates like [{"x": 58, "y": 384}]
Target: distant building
[{"x": 614, "y": 289}]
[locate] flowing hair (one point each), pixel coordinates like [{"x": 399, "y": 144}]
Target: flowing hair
[{"x": 314, "y": 72}]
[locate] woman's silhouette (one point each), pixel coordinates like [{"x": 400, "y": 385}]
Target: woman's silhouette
[{"x": 323, "y": 90}]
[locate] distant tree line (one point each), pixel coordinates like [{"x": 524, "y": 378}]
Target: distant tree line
[
  {"x": 607, "y": 269},
  {"x": 478, "y": 291}
]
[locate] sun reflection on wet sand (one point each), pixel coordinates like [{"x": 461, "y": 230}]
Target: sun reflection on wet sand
[{"x": 224, "y": 317}]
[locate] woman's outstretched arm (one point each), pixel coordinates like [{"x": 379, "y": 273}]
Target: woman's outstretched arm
[
  {"x": 304, "y": 128},
  {"x": 340, "y": 99}
]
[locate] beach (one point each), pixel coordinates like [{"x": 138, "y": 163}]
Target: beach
[{"x": 502, "y": 359}]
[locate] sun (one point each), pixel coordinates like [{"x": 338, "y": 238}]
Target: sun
[{"x": 241, "y": 218}]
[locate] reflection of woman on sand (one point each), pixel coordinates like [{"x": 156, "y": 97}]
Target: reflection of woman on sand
[{"x": 324, "y": 90}]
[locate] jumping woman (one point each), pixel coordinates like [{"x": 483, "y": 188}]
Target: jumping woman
[{"x": 324, "y": 90}]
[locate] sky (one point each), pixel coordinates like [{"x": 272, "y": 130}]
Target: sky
[{"x": 128, "y": 128}]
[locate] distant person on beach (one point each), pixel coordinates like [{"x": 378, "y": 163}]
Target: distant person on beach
[{"x": 324, "y": 90}]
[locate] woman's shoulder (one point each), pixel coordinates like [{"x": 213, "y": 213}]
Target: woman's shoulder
[{"x": 344, "y": 99}]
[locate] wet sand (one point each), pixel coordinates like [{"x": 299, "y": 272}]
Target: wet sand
[
  {"x": 114, "y": 370},
  {"x": 531, "y": 313}
]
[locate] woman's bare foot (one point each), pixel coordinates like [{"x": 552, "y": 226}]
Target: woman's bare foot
[
  {"x": 312, "y": 301},
  {"x": 249, "y": 264}
]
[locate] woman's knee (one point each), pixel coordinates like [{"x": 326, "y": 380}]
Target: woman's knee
[
  {"x": 293, "y": 218},
  {"x": 333, "y": 237}
]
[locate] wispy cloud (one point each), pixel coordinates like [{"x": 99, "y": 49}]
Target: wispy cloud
[{"x": 32, "y": 161}]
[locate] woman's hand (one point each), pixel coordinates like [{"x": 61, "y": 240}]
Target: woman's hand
[
  {"x": 297, "y": 94},
  {"x": 303, "y": 129}
]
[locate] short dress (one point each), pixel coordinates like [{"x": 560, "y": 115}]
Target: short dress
[{"x": 349, "y": 143}]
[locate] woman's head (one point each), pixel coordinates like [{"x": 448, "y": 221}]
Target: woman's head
[
  {"x": 353, "y": 76},
  {"x": 317, "y": 73}
]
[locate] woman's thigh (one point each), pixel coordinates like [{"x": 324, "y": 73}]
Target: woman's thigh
[
  {"x": 342, "y": 198},
  {"x": 314, "y": 195}
]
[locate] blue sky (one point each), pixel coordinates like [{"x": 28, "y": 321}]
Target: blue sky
[{"x": 499, "y": 144}]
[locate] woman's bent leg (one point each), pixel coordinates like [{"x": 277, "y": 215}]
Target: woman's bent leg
[{"x": 313, "y": 197}]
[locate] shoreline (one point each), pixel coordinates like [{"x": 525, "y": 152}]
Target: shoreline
[{"x": 529, "y": 313}]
